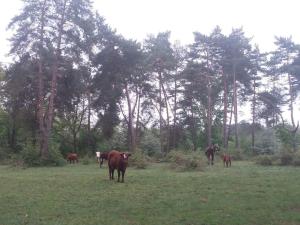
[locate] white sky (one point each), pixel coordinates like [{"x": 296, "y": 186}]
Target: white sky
[{"x": 260, "y": 19}]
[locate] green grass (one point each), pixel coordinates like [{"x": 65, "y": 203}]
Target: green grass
[{"x": 82, "y": 195}]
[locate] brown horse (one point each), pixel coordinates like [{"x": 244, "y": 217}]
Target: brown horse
[
  {"x": 72, "y": 157},
  {"x": 226, "y": 160},
  {"x": 210, "y": 153},
  {"x": 119, "y": 161},
  {"x": 103, "y": 155}
]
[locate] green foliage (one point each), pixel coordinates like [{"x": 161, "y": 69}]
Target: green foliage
[
  {"x": 186, "y": 161},
  {"x": 103, "y": 145},
  {"x": 266, "y": 141},
  {"x": 4, "y": 154},
  {"x": 138, "y": 160},
  {"x": 283, "y": 159},
  {"x": 86, "y": 160},
  {"x": 119, "y": 139},
  {"x": 264, "y": 160},
  {"x": 286, "y": 159},
  {"x": 236, "y": 155},
  {"x": 31, "y": 156},
  {"x": 285, "y": 137},
  {"x": 296, "y": 159},
  {"x": 150, "y": 143}
]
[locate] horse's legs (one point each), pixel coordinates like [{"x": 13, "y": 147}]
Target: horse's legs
[
  {"x": 112, "y": 174},
  {"x": 109, "y": 171},
  {"x": 118, "y": 175},
  {"x": 123, "y": 173},
  {"x": 208, "y": 160}
]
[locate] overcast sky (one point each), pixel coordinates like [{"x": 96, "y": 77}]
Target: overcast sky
[{"x": 261, "y": 19}]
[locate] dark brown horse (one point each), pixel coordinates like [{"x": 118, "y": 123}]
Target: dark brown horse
[
  {"x": 117, "y": 161},
  {"x": 72, "y": 157},
  {"x": 103, "y": 155},
  {"x": 210, "y": 153}
]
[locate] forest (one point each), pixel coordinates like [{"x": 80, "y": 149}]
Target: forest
[{"x": 77, "y": 85}]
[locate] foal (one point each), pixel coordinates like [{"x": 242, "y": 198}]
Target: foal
[{"x": 226, "y": 160}]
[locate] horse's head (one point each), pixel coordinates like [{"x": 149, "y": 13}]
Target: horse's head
[{"x": 216, "y": 147}]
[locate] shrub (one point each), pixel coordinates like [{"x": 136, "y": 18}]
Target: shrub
[
  {"x": 138, "y": 160},
  {"x": 185, "y": 161},
  {"x": 86, "y": 160},
  {"x": 286, "y": 159},
  {"x": 236, "y": 155},
  {"x": 150, "y": 144},
  {"x": 296, "y": 159},
  {"x": 264, "y": 160},
  {"x": 4, "y": 154},
  {"x": 31, "y": 157},
  {"x": 158, "y": 157},
  {"x": 16, "y": 160}
]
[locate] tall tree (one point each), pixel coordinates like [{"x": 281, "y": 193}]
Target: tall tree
[
  {"x": 49, "y": 30},
  {"x": 206, "y": 55},
  {"x": 282, "y": 62},
  {"x": 237, "y": 66},
  {"x": 258, "y": 60},
  {"x": 161, "y": 62}
]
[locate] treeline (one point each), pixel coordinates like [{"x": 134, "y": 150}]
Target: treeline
[{"x": 77, "y": 85}]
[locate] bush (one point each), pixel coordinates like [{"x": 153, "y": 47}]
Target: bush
[
  {"x": 31, "y": 157},
  {"x": 150, "y": 144},
  {"x": 296, "y": 159},
  {"x": 286, "y": 159},
  {"x": 185, "y": 161},
  {"x": 16, "y": 160},
  {"x": 138, "y": 160},
  {"x": 264, "y": 160},
  {"x": 4, "y": 154},
  {"x": 86, "y": 160},
  {"x": 236, "y": 155}
]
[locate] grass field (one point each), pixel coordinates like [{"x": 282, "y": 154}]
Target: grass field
[{"x": 83, "y": 195}]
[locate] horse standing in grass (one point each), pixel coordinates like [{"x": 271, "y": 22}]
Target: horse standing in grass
[
  {"x": 72, "y": 157},
  {"x": 226, "y": 160},
  {"x": 210, "y": 153},
  {"x": 117, "y": 161},
  {"x": 103, "y": 155}
]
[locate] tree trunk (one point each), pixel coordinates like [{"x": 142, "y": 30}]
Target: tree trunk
[
  {"x": 12, "y": 139},
  {"x": 292, "y": 113},
  {"x": 209, "y": 114},
  {"x": 194, "y": 132},
  {"x": 237, "y": 144},
  {"x": 53, "y": 87},
  {"x": 137, "y": 135},
  {"x": 89, "y": 115},
  {"x": 253, "y": 115},
  {"x": 175, "y": 115},
  {"x": 160, "y": 111},
  {"x": 42, "y": 135},
  {"x": 168, "y": 118},
  {"x": 229, "y": 126},
  {"x": 225, "y": 99},
  {"x": 74, "y": 141},
  {"x": 131, "y": 135}
]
